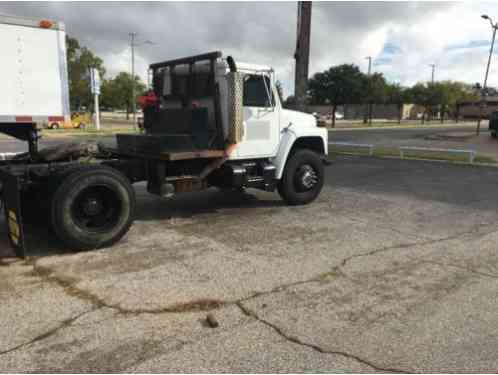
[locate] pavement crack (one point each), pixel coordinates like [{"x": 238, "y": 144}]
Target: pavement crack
[
  {"x": 250, "y": 313},
  {"x": 337, "y": 270},
  {"x": 345, "y": 261},
  {"x": 64, "y": 324},
  {"x": 68, "y": 285},
  {"x": 468, "y": 269}
]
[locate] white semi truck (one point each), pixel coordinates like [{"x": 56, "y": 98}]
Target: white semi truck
[
  {"x": 33, "y": 73},
  {"x": 209, "y": 121}
]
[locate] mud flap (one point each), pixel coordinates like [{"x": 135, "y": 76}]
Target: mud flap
[{"x": 12, "y": 208}]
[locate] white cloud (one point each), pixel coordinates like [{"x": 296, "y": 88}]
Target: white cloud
[
  {"x": 265, "y": 33},
  {"x": 432, "y": 40}
]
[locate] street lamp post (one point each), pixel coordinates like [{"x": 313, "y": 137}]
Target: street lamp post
[
  {"x": 494, "y": 26},
  {"x": 134, "y": 44}
]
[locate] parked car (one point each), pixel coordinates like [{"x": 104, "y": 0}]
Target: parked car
[{"x": 328, "y": 117}]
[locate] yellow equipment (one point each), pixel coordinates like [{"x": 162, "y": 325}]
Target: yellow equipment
[{"x": 79, "y": 120}]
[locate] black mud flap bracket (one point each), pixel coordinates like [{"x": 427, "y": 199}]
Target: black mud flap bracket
[
  {"x": 11, "y": 197},
  {"x": 326, "y": 161}
]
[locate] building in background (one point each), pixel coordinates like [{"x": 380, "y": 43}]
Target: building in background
[{"x": 470, "y": 109}]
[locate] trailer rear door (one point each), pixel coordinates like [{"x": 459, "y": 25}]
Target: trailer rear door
[{"x": 33, "y": 71}]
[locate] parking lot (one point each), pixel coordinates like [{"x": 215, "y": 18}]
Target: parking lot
[{"x": 394, "y": 268}]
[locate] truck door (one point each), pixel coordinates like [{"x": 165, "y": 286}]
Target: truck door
[{"x": 261, "y": 119}]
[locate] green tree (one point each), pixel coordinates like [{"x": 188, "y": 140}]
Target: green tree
[
  {"x": 421, "y": 95},
  {"x": 290, "y": 101},
  {"x": 453, "y": 93},
  {"x": 79, "y": 61},
  {"x": 336, "y": 86},
  {"x": 280, "y": 91},
  {"x": 376, "y": 92},
  {"x": 118, "y": 93},
  {"x": 397, "y": 95}
]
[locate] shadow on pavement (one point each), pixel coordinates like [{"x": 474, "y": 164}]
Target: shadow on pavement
[
  {"x": 41, "y": 241},
  {"x": 189, "y": 205}
]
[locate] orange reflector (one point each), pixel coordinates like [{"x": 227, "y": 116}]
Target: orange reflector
[{"x": 46, "y": 24}]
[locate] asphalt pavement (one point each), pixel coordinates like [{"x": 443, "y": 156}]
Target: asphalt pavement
[
  {"x": 461, "y": 136},
  {"x": 393, "y": 268},
  {"x": 400, "y": 133}
]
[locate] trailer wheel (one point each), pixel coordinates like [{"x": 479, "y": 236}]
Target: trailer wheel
[
  {"x": 302, "y": 179},
  {"x": 93, "y": 207},
  {"x": 54, "y": 125}
]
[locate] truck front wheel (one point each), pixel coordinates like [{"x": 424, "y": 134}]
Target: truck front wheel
[
  {"x": 93, "y": 207},
  {"x": 302, "y": 179}
]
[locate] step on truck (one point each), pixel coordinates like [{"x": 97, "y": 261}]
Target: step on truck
[{"x": 208, "y": 121}]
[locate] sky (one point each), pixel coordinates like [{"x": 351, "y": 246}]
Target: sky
[{"x": 403, "y": 38}]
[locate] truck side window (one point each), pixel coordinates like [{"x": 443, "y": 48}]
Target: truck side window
[{"x": 256, "y": 92}]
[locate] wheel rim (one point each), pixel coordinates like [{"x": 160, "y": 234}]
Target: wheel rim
[
  {"x": 306, "y": 178},
  {"x": 96, "y": 209}
]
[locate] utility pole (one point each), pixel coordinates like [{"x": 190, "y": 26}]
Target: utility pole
[
  {"x": 133, "y": 104},
  {"x": 369, "y": 97},
  {"x": 302, "y": 53},
  {"x": 433, "y": 66},
  {"x": 134, "y": 44},
  {"x": 494, "y": 26}
]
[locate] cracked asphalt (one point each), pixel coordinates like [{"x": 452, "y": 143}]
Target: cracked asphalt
[{"x": 393, "y": 269}]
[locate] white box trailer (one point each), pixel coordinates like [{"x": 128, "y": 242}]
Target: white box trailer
[{"x": 33, "y": 74}]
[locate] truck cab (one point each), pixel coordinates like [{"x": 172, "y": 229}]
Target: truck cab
[{"x": 243, "y": 116}]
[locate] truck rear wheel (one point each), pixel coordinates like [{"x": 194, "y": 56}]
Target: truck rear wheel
[
  {"x": 302, "y": 179},
  {"x": 93, "y": 207}
]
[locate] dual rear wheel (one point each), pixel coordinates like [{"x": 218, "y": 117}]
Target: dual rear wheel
[{"x": 92, "y": 207}]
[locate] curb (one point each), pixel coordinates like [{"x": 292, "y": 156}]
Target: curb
[
  {"x": 413, "y": 126},
  {"x": 408, "y": 152}
]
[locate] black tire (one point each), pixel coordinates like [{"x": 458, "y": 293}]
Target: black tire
[
  {"x": 302, "y": 179},
  {"x": 493, "y": 134},
  {"x": 54, "y": 125},
  {"x": 93, "y": 207}
]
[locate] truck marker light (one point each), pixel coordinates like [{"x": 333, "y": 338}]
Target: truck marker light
[{"x": 46, "y": 24}]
